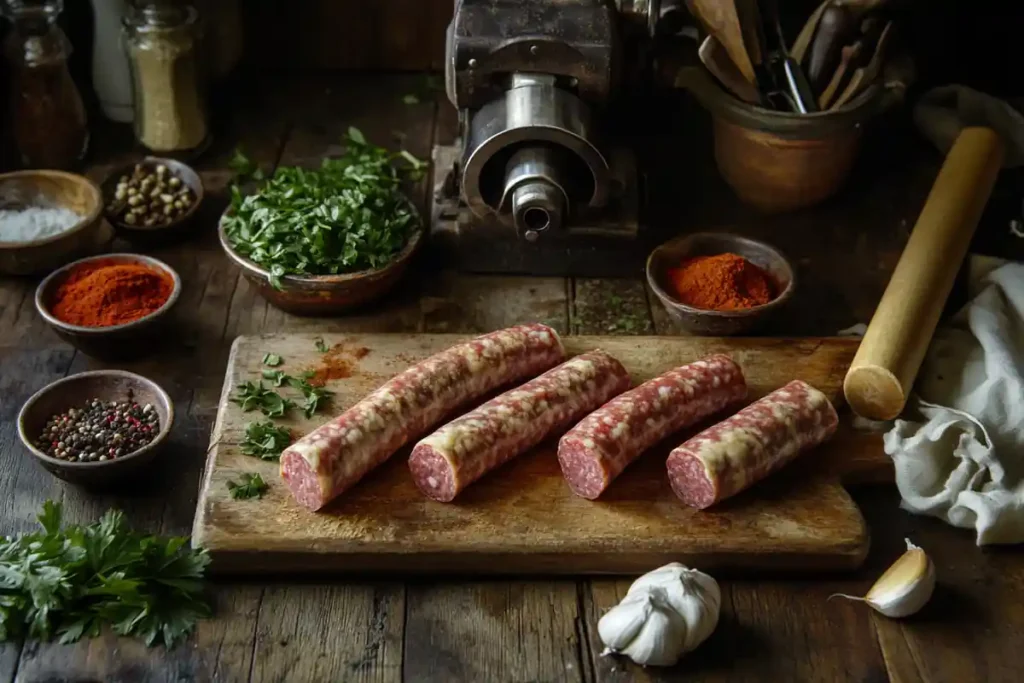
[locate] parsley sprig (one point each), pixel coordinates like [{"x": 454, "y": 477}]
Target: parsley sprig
[
  {"x": 346, "y": 216},
  {"x": 251, "y": 486},
  {"x": 69, "y": 583},
  {"x": 265, "y": 440},
  {"x": 255, "y": 396}
]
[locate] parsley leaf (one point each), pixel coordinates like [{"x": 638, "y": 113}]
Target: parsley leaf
[
  {"x": 68, "y": 583},
  {"x": 264, "y": 440},
  {"x": 349, "y": 214},
  {"x": 278, "y": 377},
  {"x": 272, "y": 360},
  {"x": 257, "y": 397},
  {"x": 251, "y": 486},
  {"x": 411, "y": 98},
  {"x": 320, "y": 345}
]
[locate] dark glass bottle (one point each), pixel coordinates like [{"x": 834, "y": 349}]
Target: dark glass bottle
[{"x": 47, "y": 113}]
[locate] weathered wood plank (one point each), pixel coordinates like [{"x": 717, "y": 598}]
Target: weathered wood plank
[
  {"x": 971, "y": 629},
  {"x": 322, "y": 633},
  {"x": 386, "y": 34},
  {"x": 519, "y": 631}
]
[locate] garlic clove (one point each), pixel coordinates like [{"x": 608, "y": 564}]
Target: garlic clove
[
  {"x": 904, "y": 588},
  {"x": 622, "y": 623},
  {"x": 659, "y": 642}
]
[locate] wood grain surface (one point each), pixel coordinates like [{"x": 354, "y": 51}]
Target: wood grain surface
[
  {"x": 330, "y": 629},
  {"x": 522, "y": 518}
]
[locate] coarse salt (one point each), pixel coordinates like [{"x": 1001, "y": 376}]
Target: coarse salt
[{"x": 34, "y": 223}]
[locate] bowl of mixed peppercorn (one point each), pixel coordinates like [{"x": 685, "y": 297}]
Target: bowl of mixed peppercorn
[{"x": 96, "y": 428}]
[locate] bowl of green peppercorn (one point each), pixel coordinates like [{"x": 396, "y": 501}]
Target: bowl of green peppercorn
[
  {"x": 96, "y": 429},
  {"x": 153, "y": 200}
]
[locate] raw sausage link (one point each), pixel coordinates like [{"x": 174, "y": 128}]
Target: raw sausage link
[
  {"x": 462, "y": 451},
  {"x": 727, "y": 458},
  {"x": 596, "y": 450},
  {"x": 327, "y": 461}
]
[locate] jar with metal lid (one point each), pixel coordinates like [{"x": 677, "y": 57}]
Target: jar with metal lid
[
  {"x": 163, "y": 39},
  {"x": 47, "y": 113}
]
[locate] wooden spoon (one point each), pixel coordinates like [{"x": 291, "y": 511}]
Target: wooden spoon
[
  {"x": 850, "y": 54},
  {"x": 720, "y": 19},
  {"x": 865, "y": 75},
  {"x": 803, "y": 39},
  {"x": 717, "y": 61}
]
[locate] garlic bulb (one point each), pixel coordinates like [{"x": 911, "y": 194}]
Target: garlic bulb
[
  {"x": 666, "y": 613},
  {"x": 904, "y": 588}
]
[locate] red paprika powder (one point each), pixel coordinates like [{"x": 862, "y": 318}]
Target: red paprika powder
[
  {"x": 102, "y": 294},
  {"x": 724, "y": 282}
]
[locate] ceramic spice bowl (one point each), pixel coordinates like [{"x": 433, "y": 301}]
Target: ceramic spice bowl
[
  {"x": 73, "y": 393},
  {"x": 175, "y": 179},
  {"x": 54, "y": 189},
  {"x": 719, "y": 323},
  {"x": 127, "y": 340}
]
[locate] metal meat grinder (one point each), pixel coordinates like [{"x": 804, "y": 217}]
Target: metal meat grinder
[{"x": 537, "y": 181}]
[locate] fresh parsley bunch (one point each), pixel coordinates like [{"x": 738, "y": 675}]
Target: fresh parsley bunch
[
  {"x": 346, "y": 216},
  {"x": 70, "y": 582}
]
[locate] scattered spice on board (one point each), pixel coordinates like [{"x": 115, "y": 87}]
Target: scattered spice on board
[
  {"x": 35, "y": 222},
  {"x": 152, "y": 195},
  {"x": 106, "y": 293},
  {"x": 338, "y": 363},
  {"x": 99, "y": 431},
  {"x": 724, "y": 282}
]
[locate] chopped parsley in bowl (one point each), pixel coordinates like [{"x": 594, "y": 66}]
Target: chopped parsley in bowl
[{"x": 348, "y": 216}]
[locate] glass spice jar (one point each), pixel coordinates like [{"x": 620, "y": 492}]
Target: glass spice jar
[
  {"x": 163, "y": 40},
  {"x": 47, "y": 113}
]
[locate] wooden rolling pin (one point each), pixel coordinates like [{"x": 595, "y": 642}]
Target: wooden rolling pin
[{"x": 883, "y": 371}]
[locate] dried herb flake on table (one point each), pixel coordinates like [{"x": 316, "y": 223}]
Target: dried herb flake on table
[
  {"x": 71, "y": 582},
  {"x": 348, "y": 215}
]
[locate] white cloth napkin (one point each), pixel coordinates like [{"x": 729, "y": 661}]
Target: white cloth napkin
[
  {"x": 940, "y": 114},
  {"x": 962, "y": 458}
]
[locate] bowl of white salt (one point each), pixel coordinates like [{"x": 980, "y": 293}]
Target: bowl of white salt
[{"x": 48, "y": 218}]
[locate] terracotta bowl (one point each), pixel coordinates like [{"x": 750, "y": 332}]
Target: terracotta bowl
[
  {"x": 719, "y": 323},
  {"x": 117, "y": 342},
  {"x": 58, "y": 188},
  {"x": 73, "y": 392},
  {"x": 324, "y": 295},
  {"x": 782, "y": 161},
  {"x": 168, "y": 232}
]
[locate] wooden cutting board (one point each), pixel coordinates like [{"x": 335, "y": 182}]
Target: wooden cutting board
[{"x": 522, "y": 518}]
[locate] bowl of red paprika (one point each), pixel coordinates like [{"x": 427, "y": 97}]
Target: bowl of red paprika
[
  {"x": 112, "y": 306},
  {"x": 719, "y": 284}
]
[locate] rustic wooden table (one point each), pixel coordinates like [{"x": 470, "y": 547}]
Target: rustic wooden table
[{"x": 524, "y": 630}]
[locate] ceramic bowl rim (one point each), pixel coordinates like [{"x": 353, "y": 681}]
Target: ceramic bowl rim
[
  {"x": 776, "y": 255},
  {"x": 200, "y": 193},
  {"x": 91, "y": 217},
  {"x": 319, "y": 280},
  {"x": 161, "y": 436},
  {"x": 56, "y": 322}
]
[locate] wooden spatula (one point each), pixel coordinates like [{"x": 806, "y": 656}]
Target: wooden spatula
[
  {"x": 865, "y": 75},
  {"x": 850, "y": 55},
  {"x": 721, "y": 20},
  {"x": 717, "y": 61}
]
